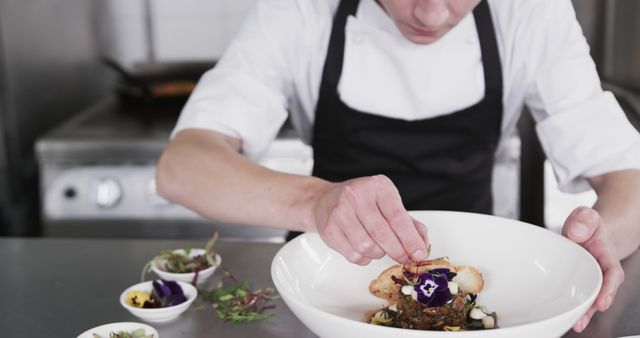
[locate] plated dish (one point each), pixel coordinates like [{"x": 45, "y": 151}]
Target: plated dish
[
  {"x": 430, "y": 295},
  {"x": 538, "y": 282}
]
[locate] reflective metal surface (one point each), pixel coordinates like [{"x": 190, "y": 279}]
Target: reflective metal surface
[{"x": 47, "y": 282}]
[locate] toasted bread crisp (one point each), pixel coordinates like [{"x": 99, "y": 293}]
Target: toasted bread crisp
[
  {"x": 469, "y": 279},
  {"x": 384, "y": 287}
]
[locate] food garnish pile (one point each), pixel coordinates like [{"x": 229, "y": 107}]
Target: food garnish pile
[
  {"x": 231, "y": 299},
  {"x": 139, "y": 333},
  {"x": 182, "y": 262},
  {"x": 235, "y": 301},
  {"x": 431, "y": 295},
  {"x": 164, "y": 294}
]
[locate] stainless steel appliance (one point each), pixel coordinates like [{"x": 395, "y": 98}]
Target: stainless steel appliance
[
  {"x": 49, "y": 69},
  {"x": 97, "y": 176},
  {"x": 97, "y": 170}
]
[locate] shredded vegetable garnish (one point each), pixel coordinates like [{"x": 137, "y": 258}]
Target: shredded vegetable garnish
[{"x": 235, "y": 301}]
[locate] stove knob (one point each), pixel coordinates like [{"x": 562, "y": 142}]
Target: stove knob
[{"x": 108, "y": 193}]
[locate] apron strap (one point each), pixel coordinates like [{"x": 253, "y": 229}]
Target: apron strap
[
  {"x": 334, "y": 60},
  {"x": 489, "y": 46}
]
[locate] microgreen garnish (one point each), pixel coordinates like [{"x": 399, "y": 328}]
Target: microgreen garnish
[
  {"x": 411, "y": 271},
  {"x": 182, "y": 262},
  {"x": 235, "y": 301},
  {"x": 384, "y": 317},
  {"x": 139, "y": 333}
]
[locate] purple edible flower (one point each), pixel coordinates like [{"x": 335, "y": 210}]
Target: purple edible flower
[
  {"x": 173, "y": 286},
  {"x": 432, "y": 288},
  {"x": 169, "y": 293},
  {"x": 444, "y": 271},
  {"x": 162, "y": 290}
]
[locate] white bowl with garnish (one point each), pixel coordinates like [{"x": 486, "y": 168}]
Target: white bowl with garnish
[
  {"x": 157, "y": 266},
  {"x": 163, "y": 314},
  {"x": 538, "y": 282},
  {"x": 104, "y": 331}
]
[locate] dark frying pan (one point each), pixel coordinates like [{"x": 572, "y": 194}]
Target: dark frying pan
[{"x": 158, "y": 83}]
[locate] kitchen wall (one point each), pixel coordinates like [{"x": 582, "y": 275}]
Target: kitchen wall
[
  {"x": 134, "y": 31},
  {"x": 613, "y": 31}
]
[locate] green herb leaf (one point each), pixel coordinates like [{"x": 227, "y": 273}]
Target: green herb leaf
[{"x": 237, "y": 303}]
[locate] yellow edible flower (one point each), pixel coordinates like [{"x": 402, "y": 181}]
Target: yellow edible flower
[
  {"x": 380, "y": 321},
  {"x": 452, "y": 328},
  {"x": 137, "y": 298}
]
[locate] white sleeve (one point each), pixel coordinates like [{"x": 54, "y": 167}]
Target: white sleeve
[
  {"x": 245, "y": 95},
  {"x": 582, "y": 129}
]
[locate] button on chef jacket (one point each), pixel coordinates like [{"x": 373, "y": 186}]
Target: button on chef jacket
[{"x": 274, "y": 67}]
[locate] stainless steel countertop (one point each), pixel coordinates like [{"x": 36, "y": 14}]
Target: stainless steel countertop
[{"x": 62, "y": 287}]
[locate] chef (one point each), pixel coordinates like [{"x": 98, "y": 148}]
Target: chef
[{"x": 405, "y": 103}]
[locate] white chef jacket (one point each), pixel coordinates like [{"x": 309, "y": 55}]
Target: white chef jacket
[{"x": 274, "y": 67}]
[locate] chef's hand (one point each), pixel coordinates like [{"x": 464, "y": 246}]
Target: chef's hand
[
  {"x": 585, "y": 227},
  {"x": 364, "y": 219}
]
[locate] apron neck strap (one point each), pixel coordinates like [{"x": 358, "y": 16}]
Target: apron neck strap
[
  {"x": 489, "y": 48},
  {"x": 335, "y": 55}
]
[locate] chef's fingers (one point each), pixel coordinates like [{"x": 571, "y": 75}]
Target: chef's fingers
[
  {"x": 423, "y": 231},
  {"x": 613, "y": 278},
  {"x": 597, "y": 241},
  {"x": 581, "y": 324},
  {"x": 390, "y": 204},
  {"x": 603, "y": 250},
  {"x": 378, "y": 228},
  {"x": 354, "y": 230},
  {"x": 336, "y": 239}
]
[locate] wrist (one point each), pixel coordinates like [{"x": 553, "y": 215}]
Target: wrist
[{"x": 305, "y": 205}]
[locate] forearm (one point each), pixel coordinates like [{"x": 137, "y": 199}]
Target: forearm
[
  {"x": 204, "y": 172},
  {"x": 619, "y": 206}
]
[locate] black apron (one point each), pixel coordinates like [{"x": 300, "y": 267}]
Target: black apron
[{"x": 440, "y": 163}]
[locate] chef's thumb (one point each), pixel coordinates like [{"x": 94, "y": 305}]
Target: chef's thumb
[{"x": 581, "y": 224}]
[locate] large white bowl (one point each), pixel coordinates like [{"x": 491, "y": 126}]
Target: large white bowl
[
  {"x": 537, "y": 281},
  {"x": 159, "y": 315},
  {"x": 105, "y": 330},
  {"x": 185, "y": 277}
]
